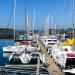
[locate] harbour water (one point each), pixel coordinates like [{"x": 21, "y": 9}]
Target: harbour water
[{"x": 3, "y": 43}]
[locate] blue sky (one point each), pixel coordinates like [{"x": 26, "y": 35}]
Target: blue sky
[{"x": 60, "y": 10}]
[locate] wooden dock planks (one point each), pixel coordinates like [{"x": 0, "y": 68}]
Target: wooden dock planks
[{"x": 52, "y": 67}]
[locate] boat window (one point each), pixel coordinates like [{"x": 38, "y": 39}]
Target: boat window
[
  {"x": 33, "y": 45},
  {"x": 51, "y": 43},
  {"x": 55, "y": 40},
  {"x": 16, "y": 55},
  {"x": 66, "y": 49},
  {"x": 34, "y": 41},
  {"x": 70, "y": 62},
  {"x": 52, "y": 40},
  {"x": 49, "y": 40},
  {"x": 63, "y": 40},
  {"x": 35, "y": 55}
]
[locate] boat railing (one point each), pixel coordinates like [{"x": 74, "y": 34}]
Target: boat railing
[
  {"x": 70, "y": 67},
  {"x": 21, "y": 71}
]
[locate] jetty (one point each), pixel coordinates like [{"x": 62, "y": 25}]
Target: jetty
[{"x": 51, "y": 65}]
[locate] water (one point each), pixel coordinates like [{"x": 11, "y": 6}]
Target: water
[{"x": 4, "y": 43}]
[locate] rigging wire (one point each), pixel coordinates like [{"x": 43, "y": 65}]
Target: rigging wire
[{"x": 10, "y": 16}]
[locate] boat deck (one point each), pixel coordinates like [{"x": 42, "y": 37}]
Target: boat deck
[{"x": 21, "y": 65}]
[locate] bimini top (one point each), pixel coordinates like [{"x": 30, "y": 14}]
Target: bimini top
[
  {"x": 52, "y": 36},
  {"x": 68, "y": 42},
  {"x": 23, "y": 39}
]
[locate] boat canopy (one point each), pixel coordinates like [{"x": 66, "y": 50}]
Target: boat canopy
[
  {"x": 23, "y": 39},
  {"x": 68, "y": 42},
  {"x": 24, "y": 43}
]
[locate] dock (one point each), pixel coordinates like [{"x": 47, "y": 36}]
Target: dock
[{"x": 52, "y": 66}]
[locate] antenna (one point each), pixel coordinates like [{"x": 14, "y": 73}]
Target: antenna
[{"x": 14, "y": 16}]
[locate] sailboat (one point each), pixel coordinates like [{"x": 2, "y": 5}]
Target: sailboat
[
  {"x": 9, "y": 49},
  {"x": 21, "y": 42}
]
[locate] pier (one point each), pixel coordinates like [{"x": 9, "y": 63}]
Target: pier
[{"x": 52, "y": 66}]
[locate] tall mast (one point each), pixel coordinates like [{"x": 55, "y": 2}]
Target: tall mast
[
  {"x": 47, "y": 25},
  {"x": 55, "y": 28},
  {"x": 73, "y": 16},
  {"x": 27, "y": 25},
  {"x": 33, "y": 22},
  {"x": 44, "y": 27},
  {"x": 14, "y": 16},
  {"x": 26, "y": 17},
  {"x": 52, "y": 24}
]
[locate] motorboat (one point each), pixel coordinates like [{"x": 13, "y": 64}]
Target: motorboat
[
  {"x": 49, "y": 41},
  {"x": 7, "y": 51},
  {"x": 64, "y": 55}
]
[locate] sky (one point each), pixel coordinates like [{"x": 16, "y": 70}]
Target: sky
[{"x": 59, "y": 10}]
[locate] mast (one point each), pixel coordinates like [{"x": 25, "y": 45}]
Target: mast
[
  {"x": 33, "y": 22},
  {"x": 14, "y": 16},
  {"x": 25, "y": 20},
  {"x": 47, "y": 27},
  {"x": 73, "y": 17},
  {"x": 55, "y": 28},
  {"x": 52, "y": 24},
  {"x": 44, "y": 28},
  {"x": 27, "y": 25}
]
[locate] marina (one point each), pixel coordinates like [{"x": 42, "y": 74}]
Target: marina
[{"x": 39, "y": 43}]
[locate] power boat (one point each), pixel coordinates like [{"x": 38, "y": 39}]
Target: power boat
[
  {"x": 7, "y": 51},
  {"x": 49, "y": 41},
  {"x": 64, "y": 55},
  {"x": 19, "y": 45}
]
